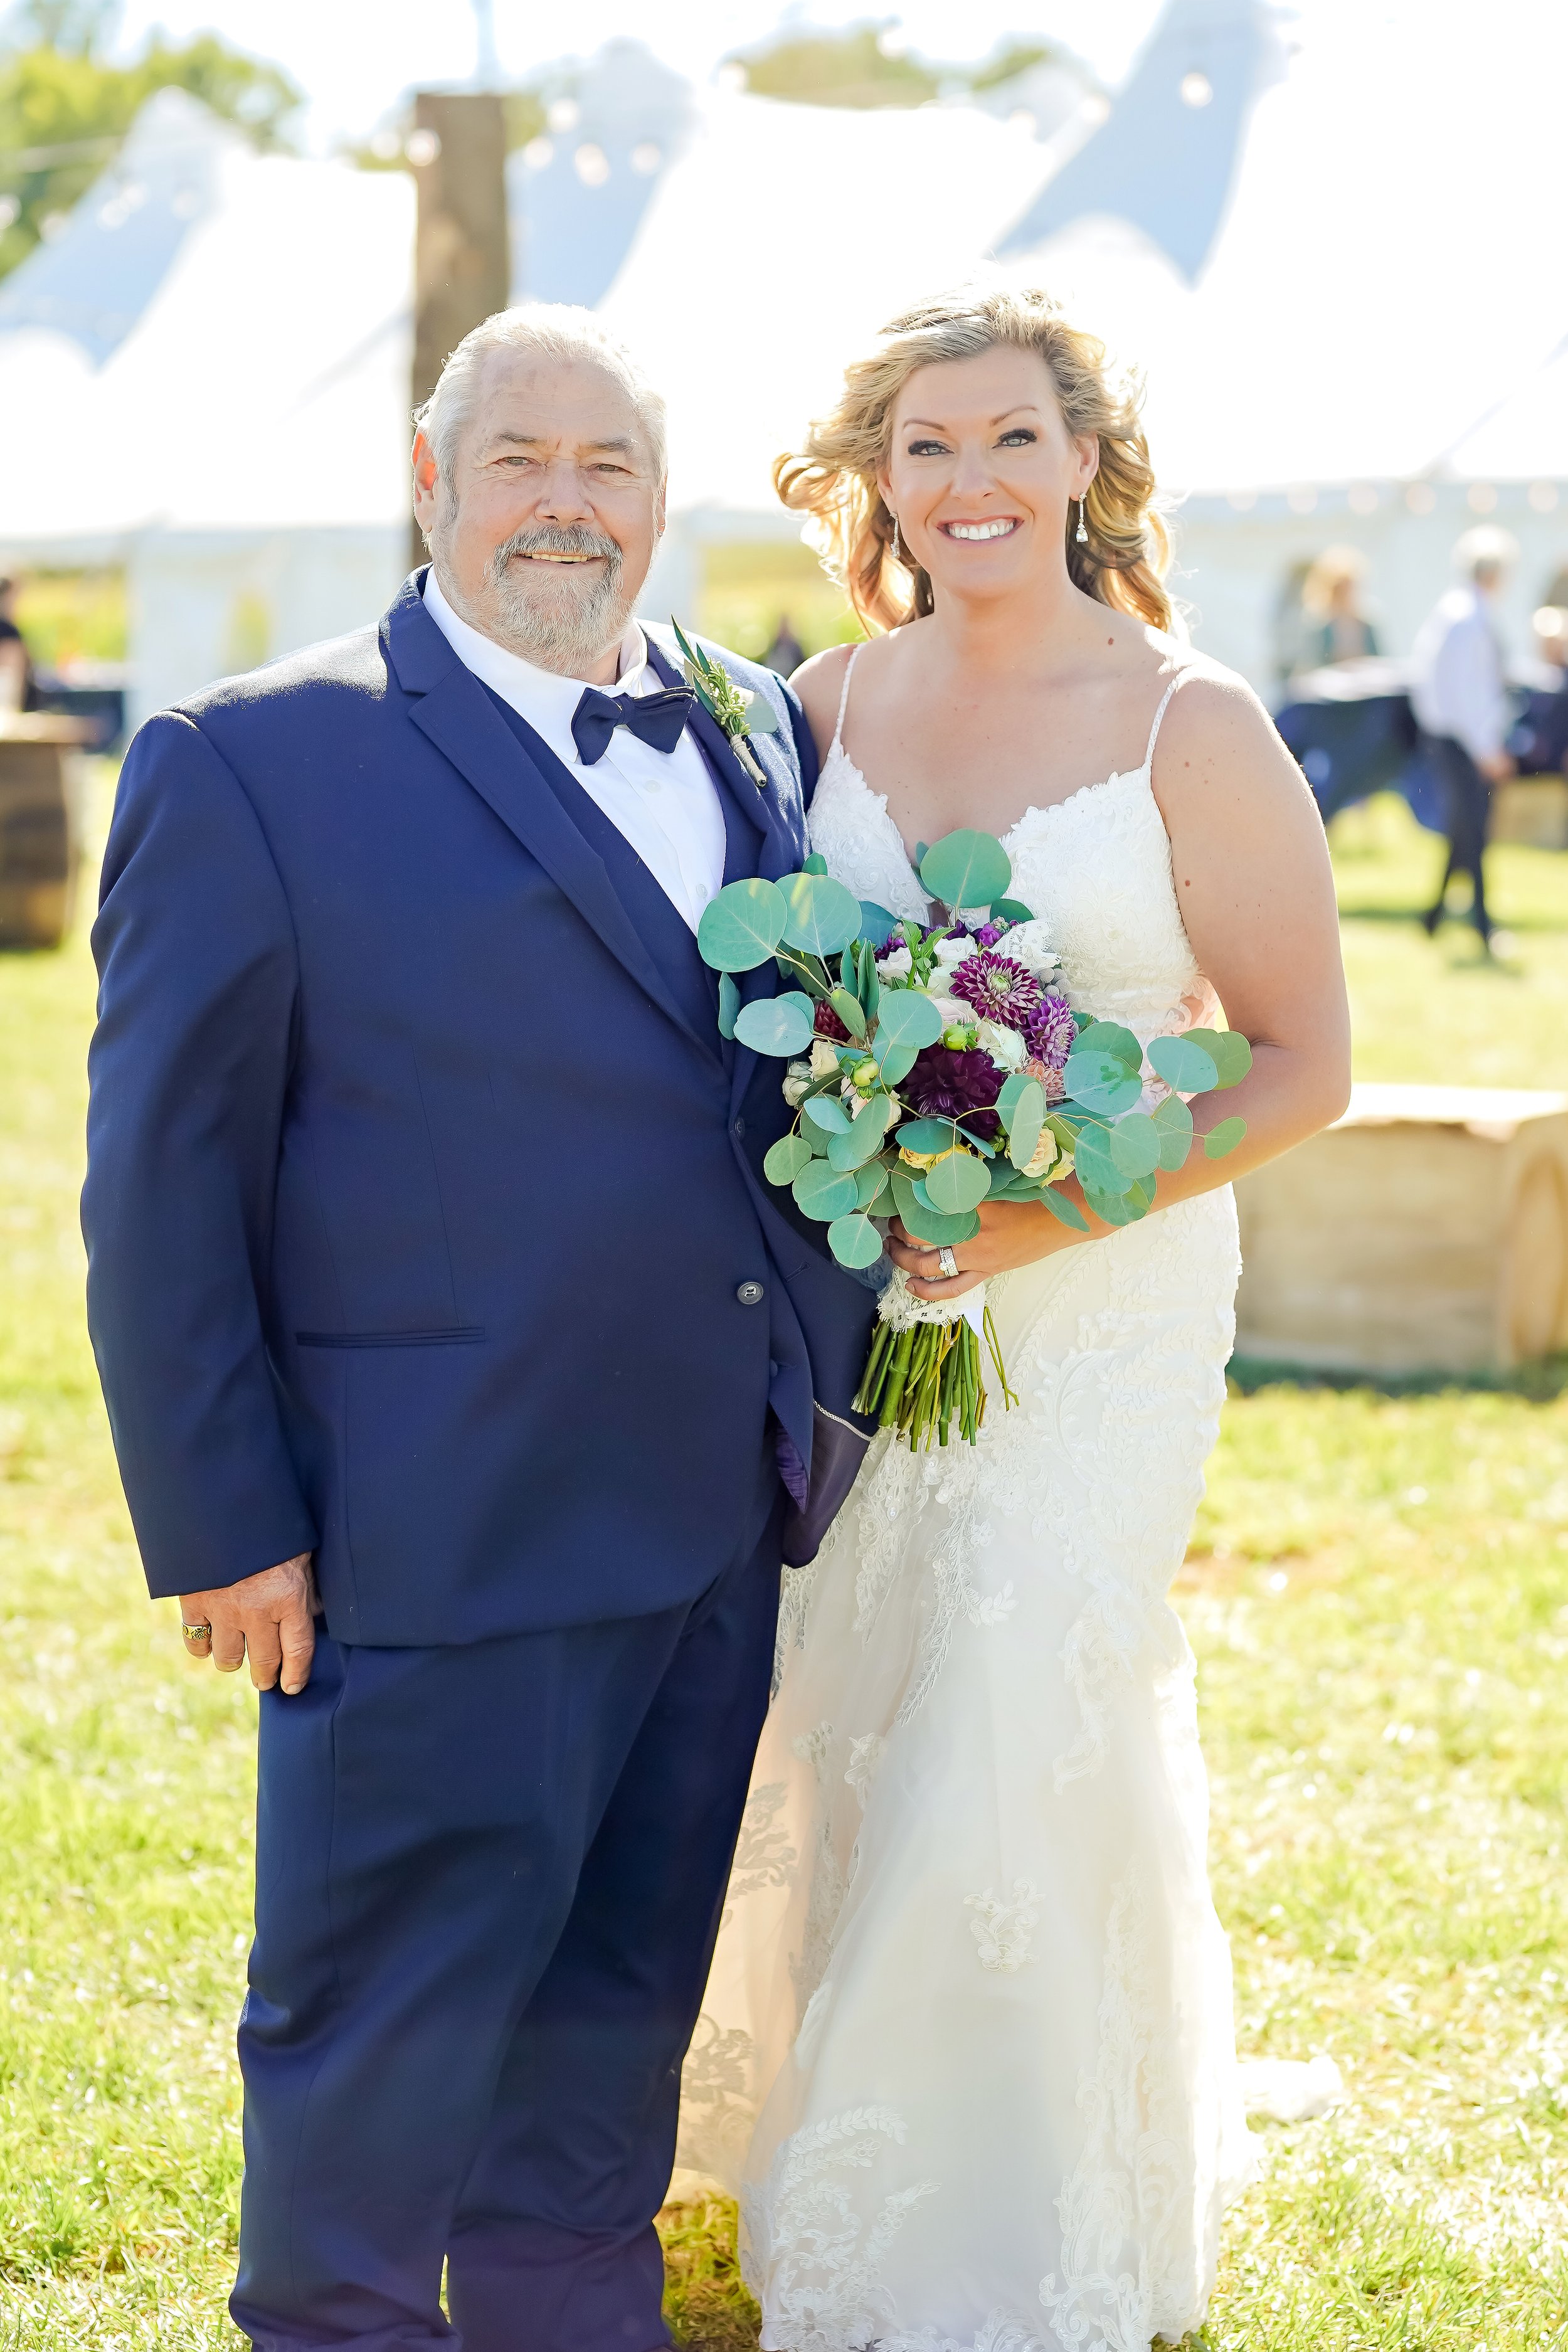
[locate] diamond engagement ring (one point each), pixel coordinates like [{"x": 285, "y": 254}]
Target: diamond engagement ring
[
  {"x": 196, "y": 1632},
  {"x": 948, "y": 1263}
]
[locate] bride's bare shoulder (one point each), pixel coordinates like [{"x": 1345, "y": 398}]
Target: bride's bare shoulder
[
  {"x": 819, "y": 683},
  {"x": 1217, "y": 740}
]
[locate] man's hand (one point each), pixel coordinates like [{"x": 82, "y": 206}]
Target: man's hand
[
  {"x": 268, "y": 1617},
  {"x": 1497, "y": 767}
]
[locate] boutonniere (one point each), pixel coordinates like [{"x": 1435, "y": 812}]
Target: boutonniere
[{"x": 738, "y": 709}]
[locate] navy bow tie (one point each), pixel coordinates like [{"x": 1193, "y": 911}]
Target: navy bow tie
[{"x": 656, "y": 719}]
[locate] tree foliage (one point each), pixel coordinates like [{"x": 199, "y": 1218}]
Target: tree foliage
[
  {"x": 868, "y": 65},
  {"x": 64, "y": 108}
]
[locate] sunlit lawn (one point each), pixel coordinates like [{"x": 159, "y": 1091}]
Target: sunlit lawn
[{"x": 1378, "y": 1593}]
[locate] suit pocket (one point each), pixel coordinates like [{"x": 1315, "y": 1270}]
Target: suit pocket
[{"x": 459, "y": 1335}]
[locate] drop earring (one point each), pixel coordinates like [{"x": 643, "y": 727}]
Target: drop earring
[
  {"x": 898, "y": 550},
  {"x": 1082, "y": 533}
]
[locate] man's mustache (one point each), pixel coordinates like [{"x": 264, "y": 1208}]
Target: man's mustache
[{"x": 553, "y": 539}]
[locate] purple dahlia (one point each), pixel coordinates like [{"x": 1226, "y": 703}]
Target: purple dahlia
[
  {"x": 955, "y": 1082},
  {"x": 999, "y": 989},
  {"x": 1050, "y": 1031}
]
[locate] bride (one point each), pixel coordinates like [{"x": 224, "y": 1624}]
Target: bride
[{"x": 966, "y": 2053}]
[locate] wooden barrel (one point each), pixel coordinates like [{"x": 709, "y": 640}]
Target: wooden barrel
[{"x": 40, "y": 825}]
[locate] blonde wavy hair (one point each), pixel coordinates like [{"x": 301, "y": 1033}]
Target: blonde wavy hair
[{"x": 834, "y": 478}]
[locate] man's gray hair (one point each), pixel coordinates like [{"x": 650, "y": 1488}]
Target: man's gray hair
[{"x": 555, "y": 331}]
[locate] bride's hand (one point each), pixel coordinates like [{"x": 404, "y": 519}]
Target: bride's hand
[{"x": 1012, "y": 1233}]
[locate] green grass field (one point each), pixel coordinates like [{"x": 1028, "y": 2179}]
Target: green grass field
[{"x": 1378, "y": 1593}]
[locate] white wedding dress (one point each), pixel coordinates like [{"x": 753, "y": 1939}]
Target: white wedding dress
[{"x": 967, "y": 2053}]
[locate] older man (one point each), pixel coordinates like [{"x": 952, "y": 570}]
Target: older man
[
  {"x": 433, "y": 1273},
  {"x": 1458, "y": 693}
]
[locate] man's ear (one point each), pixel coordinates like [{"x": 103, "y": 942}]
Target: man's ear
[{"x": 426, "y": 477}]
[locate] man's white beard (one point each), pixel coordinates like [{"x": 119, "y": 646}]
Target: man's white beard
[{"x": 549, "y": 614}]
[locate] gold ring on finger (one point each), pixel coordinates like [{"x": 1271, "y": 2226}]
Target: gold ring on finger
[{"x": 197, "y": 1632}]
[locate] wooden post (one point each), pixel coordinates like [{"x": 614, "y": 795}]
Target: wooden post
[{"x": 462, "y": 269}]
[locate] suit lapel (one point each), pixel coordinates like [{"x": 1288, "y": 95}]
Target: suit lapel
[{"x": 451, "y": 709}]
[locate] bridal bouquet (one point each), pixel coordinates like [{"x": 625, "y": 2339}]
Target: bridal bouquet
[{"x": 935, "y": 1066}]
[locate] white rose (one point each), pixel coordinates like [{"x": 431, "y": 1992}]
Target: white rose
[
  {"x": 1005, "y": 1047},
  {"x": 797, "y": 1079},
  {"x": 1044, "y": 1155},
  {"x": 952, "y": 951},
  {"x": 824, "y": 1060},
  {"x": 1028, "y": 944},
  {"x": 897, "y": 965},
  {"x": 953, "y": 1009}
]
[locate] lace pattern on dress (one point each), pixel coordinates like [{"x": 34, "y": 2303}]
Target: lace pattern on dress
[{"x": 818, "y": 2255}]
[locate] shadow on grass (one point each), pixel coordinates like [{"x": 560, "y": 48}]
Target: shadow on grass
[{"x": 1537, "y": 1383}]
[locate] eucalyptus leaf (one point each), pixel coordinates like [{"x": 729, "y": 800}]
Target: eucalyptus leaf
[
  {"x": 1012, "y": 1090},
  {"x": 776, "y": 1024},
  {"x": 1096, "y": 1170},
  {"x": 1228, "y": 1050},
  {"x": 957, "y": 1182},
  {"x": 927, "y": 1135},
  {"x": 729, "y": 1004},
  {"x": 1187, "y": 1068},
  {"x": 794, "y": 965},
  {"x": 823, "y": 1192},
  {"x": 1224, "y": 1138},
  {"x": 1135, "y": 1144},
  {"x": 928, "y": 1224},
  {"x": 966, "y": 869},
  {"x": 864, "y": 1135},
  {"x": 814, "y": 863},
  {"x": 895, "y": 1061},
  {"x": 1063, "y": 1207},
  {"x": 905, "y": 1017},
  {"x": 827, "y": 1112},
  {"x": 986, "y": 1149},
  {"x": 876, "y": 924},
  {"x": 873, "y": 1181},
  {"x": 1006, "y": 1182},
  {"x": 1028, "y": 1116},
  {"x": 855, "y": 1241},
  {"x": 1100, "y": 1082},
  {"x": 1173, "y": 1125},
  {"x": 1111, "y": 1208},
  {"x": 849, "y": 1009},
  {"x": 742, "y": 926},
  {"x": 1013, "y": 909},
  {"x": 1111, "y": 1037},
  {"x": 821, "y": 915},
  {"x": 786, "y": 1159},
  {"x": 920, "y": 848}
]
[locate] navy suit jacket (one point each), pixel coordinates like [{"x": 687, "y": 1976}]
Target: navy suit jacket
[{"x": 424, "y": 1198}]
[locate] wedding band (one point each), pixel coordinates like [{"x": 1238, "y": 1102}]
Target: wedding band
[
  {"x": 196, "y": 1632},
  {"x": 948, "y": 1263}
]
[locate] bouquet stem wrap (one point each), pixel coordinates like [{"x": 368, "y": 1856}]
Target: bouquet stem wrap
[{"x": 924, "y": 1372}]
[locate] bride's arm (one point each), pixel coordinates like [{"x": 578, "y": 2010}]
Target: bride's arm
[{"x": 1256, "y": 891}]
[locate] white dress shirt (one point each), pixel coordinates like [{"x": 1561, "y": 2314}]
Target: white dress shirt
[
  {"x": 1457, "y": 686},
  {"x": 664, "y": 803}
]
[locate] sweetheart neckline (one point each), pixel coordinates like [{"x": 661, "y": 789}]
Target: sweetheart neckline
[{"x": 1050, "y": 808}]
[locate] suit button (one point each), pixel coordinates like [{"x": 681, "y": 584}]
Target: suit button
[
  {"x": 750, "y": 1294},
  {"x": 739, "y": 1129}
]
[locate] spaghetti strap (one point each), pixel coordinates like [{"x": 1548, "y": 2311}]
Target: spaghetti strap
[
  {"x": 838, "y": 742},
  {"x": 1154, "y": 730}
]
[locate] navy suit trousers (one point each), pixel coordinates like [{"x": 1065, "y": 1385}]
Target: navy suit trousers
[{"x": 489, "y": 1881}]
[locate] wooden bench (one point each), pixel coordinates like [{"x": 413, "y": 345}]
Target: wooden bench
[{"x": 1426, "y": 1231}]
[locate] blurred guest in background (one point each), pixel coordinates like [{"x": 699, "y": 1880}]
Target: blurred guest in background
[
  {"x": 786, "y": 653},
  {"x": 1459, "y": 695},
  {"x": 15, "y": 664},
  {"x": 1335, "y": 628},
  {"x": 1539, "y": 743}
]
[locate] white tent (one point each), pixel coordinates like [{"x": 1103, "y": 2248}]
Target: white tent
[{"x": 1332, "y": 265}]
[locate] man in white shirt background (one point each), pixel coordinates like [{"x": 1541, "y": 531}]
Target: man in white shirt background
[{"x": 1459, "y": 695}]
